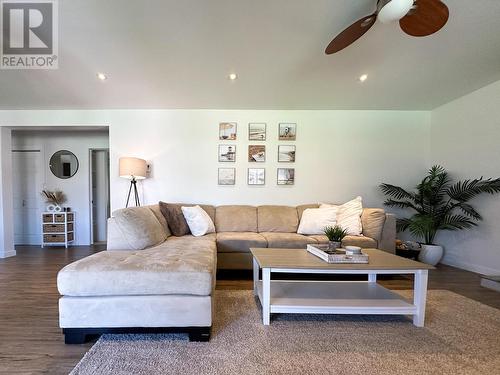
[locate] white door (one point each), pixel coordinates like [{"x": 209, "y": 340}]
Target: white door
[
  {"x": 99, "y": 194},
  {"x": 27, "y": 172}
]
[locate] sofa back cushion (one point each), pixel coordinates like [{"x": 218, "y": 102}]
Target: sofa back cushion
[
  {"x": 282, "y": 219},
  {"x": 175, "y": 218},
  {"x": 235, "y": 218},
  {"x": 157, "y": 212},
  {"x": 139, "y": 227},
  {"x": 373, "y": 220}
]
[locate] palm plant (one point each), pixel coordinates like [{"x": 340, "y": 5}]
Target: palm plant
[{"x": 440, "y": 203}]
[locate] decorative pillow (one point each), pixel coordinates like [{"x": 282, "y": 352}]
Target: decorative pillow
[
  {"x": 175, "y": 218},
  {"x": 349, "y": 215},
  {"x": 198, "y": 220},
  {"x": 139, "y": 227},
  {"x": 314, "y": 220}
]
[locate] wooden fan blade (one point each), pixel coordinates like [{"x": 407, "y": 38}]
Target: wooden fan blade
[
  {"x": 351, "y": 34},
  {"x": 426, "y": 18}
]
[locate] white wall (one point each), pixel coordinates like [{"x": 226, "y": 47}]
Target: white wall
[
  {"x": 76, "y": 188},
  {"x": 340, "y": 154},
  {"x": 465, "y": 139}
]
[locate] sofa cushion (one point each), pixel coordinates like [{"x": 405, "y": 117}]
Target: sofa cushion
[
  {"x": 287, "y": 240},
  {"x": 175, "y": 218},
  {"x": 373, "y": 220},
  {"x": 198, "y": 220},
  {"x": 236, "y": 219},
  {"x": 157, "y": 212},
  {"x": 349, "y": 215},
  {"x": 165, "y": 269},
  {"x": 282, "y": 219},
  {"x": 239, "y": 242},
  {"x": 361, "y": 241},
  {"x": 139, "y": 227},
  {"x": 315, "y": 220},
  {"x": 303, "y": 207}
]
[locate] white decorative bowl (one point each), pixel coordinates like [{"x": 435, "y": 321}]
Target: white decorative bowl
[{"x": 352, "y": 250}]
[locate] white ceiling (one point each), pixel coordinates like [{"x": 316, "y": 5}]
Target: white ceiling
[{"x": 177, "y": 54}]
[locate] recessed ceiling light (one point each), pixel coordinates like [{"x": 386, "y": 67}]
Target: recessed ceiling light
[
  {"x": 233, "y": 76},
  {"x": 363, "y": 78},
  {"x": 102, "y": 76}
]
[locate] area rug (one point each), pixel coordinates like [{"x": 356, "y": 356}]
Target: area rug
[{"x": 461, "y": 337}]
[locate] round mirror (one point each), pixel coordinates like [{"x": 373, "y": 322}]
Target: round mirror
[{"x": 63, "y": 164}]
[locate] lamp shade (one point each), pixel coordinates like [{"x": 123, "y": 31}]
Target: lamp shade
[{"x": 133, "y": 168}]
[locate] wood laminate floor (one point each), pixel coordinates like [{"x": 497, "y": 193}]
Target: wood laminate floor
[{"x": 31, "y": 341}]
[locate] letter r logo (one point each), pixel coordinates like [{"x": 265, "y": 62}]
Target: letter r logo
[{"x": 27, "y": 27}]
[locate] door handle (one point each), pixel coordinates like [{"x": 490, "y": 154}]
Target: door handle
[{"x": 24, "y": 203}]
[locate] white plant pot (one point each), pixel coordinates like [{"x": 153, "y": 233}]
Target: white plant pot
[{"x": 431, "y": 254}]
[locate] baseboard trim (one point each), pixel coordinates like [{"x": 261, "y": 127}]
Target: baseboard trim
[
  {"x": 7, "y": 254},
  {"x": 471, "y": 267}
]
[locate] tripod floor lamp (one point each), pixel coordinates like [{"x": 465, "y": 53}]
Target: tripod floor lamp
[{"x": 133, "y": 169}]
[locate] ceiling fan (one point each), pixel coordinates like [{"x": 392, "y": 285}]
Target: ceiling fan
[{"x": 416, "y": 18}]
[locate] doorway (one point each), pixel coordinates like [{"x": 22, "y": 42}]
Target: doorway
[
  {"x": 99, "y": 194},
  {"x": 27, "y": 182}
]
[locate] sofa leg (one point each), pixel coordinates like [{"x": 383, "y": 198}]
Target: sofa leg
[
  {"x": 200, "y": 334},
  {"x": 74, "y": 336}
]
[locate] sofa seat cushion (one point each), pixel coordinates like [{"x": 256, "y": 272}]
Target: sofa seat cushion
[
  {"x": 361, "y": 241},
  {"x": 166, "y": 269},
  {"x": 239, "y": 242},
  {"x": 287, "y": 240}
]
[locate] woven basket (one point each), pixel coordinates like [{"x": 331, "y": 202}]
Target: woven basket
[
  {"x": 54, "y": 238},
  {"x": 53, "y": 228}
]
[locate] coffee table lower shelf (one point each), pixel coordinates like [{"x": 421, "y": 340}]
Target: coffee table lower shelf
[{"x": 334, "y": 297}]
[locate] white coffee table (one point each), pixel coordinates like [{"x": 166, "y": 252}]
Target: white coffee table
[{"x": 336, "y": 297}]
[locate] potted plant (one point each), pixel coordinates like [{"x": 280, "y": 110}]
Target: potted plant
[
  {"x": 439, "y": 204},
  {"x": 335, "y": 236}
]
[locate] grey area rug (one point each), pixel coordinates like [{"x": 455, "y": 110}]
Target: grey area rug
[{"x": 461, "y": 337}]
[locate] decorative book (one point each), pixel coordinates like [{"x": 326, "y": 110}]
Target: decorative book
[{"x": 336, "y": 256}]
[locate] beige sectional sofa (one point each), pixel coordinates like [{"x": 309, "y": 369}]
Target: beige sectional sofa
[{"x": 151, "y": 281}]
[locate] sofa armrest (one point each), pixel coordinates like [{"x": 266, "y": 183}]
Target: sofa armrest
[
  {"x": 388, "y": 239},
  {"x": 116, "y": 240}
]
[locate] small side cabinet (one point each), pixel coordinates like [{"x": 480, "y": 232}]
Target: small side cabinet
[{"x": 58, "y": 228}]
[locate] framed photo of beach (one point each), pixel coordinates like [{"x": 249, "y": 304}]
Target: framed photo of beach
[
  {"x": 286, "y": 153},
  {"x": 256, "y": 153},
  {"x": 287, "y": 132},
  {"x": 256, "y": 176},
  {"x": 257, "y": 131},
  {"x": 227, "y": 153},
  {"x": 286, "y": 176},
  {"x": 227, "y": 176},
  {"x": 227, "y": 131}
]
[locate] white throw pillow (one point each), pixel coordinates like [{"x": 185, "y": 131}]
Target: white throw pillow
[
  {"x": 198, "y": 220},
  {"x": 349, "y": 215},
  {"x": 314, "y": 220}
]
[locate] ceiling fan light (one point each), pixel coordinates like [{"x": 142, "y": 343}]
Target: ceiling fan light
[{"x": 394, "y": 10}]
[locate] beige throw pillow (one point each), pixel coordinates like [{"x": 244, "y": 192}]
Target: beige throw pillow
[
  {"x": 349, "y": 215},
  {"x": 315, "y": 220}
]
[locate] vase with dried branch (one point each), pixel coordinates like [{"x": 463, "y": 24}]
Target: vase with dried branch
[{"x": 54, "y": 198}]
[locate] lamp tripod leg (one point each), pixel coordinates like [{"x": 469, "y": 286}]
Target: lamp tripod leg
[
  {"x": 137, "y": 203},
  {"x": 129, "y": 191}
]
